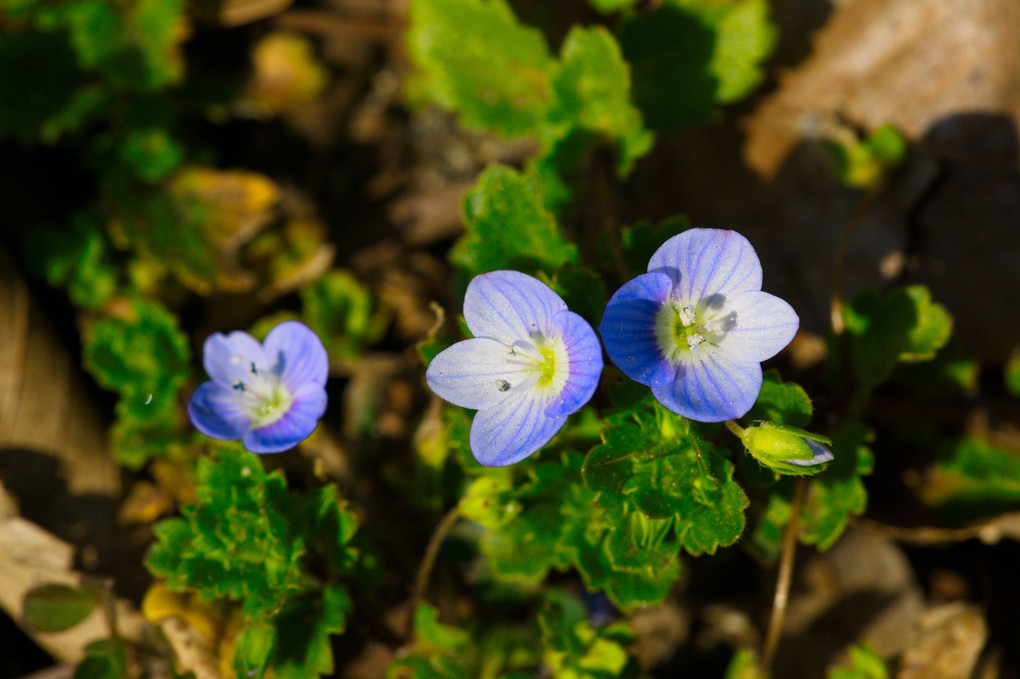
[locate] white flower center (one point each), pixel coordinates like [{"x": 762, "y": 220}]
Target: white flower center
[
  {"x": 263, "y": 396},
  {"x": 684, "y": 330}
]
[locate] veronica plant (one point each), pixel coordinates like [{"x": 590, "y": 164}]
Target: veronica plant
[
  {"x": 696, "y": 327},
  {"x": 530, "y": 363},
  {"x": 269, "y": 395}
]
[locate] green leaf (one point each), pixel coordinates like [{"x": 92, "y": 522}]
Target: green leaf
[
  {"x": 508, "y": 227},
  {"x": 592, "y": 87},
  {"x": 576, "y": 650},
  {"x": 690, "y": 55},
  {"x": 973, "y": 478},
  {"x": 75, "y": 257},
  {"x": 343, "y": 314},
  {"x": 246, "y": 539},
  {"x": 152, "y": 153},
  {"x": 303, "y": 648},
  {"x": 476, "y": 59},
  {"x": 433, "y": 636},
  {"x": 864, "y": 664},
  {"x": 55, "y": 608},
  {"x": 904, "y": 326},
  {"x": 839, "y": 492},
  {"x": 607, "y": 6},
  {"x": 255, "y": 646},
  {"x": 745, "y": 665},
  {"x": 667, "y": 470},
  {"x": 781, "y": 402},
  {"x": 583, "y": 291},
  {"x": 1011, "y": 374},
  {"x": 145, "y": 357},
  {"x": 104, "y": 659},
  {"x": 640, "y": 240}
]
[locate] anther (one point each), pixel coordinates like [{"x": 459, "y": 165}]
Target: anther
[
  {"x": 688, "y": 315},
  {"x": 693, "y": 340},
  {"x": 239, "y": 386},
  {"x": 502, "y": 385},
  {"x": 253, "y": 370}
]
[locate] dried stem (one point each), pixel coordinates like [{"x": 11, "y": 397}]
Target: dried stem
[
  {"x": 428, "y": 562},
  {"x": 783, "y": 579}
]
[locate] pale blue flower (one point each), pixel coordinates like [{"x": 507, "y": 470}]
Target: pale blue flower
[
  {"x": 269, "y": 395},
  {"x": 530, "y": 364},
  {"x": 696, "y": 327}
]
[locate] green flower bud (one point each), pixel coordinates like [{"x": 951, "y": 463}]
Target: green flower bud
[{"x": 787, "y": 450}]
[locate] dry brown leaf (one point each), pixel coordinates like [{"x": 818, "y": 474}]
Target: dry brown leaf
[{"x": 947, "y": 643}]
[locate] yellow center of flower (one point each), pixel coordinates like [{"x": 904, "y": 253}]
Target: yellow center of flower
[{"x": 547, "y": 366}]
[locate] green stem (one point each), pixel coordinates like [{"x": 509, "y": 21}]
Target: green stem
[{"x": 735, "y": 429}]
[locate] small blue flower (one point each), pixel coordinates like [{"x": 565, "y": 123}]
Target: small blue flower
[
  {"x": 269, "y": 395},
  {"x": 696, "y": 327},
  {"x": 531, "y": 363}
]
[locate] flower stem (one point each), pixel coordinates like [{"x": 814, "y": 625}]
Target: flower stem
[
  {"x": 734, "y": 428},
  {"x": 782, "y": 594},
  {"x": 421, "y": 582}
]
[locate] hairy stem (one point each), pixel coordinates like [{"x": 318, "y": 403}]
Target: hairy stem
[{"x": 783, "y": 579}]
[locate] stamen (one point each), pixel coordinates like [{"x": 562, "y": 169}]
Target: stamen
[
  {"x": 693, "y": 340},
  {"x": 239, "y": 386},
  {"x": 253, "y": 370},
  {"x": 688, "y": 315}
]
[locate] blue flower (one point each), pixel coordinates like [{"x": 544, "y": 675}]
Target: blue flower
[
  {"x": 269, "y": 395},
  {"x": 696, "y": 327},
  {"x": 530, "y": 364}
]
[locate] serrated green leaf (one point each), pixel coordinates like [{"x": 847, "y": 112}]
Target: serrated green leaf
[
  {"x": 666, "y": 470},
  {"x": 55, "y": 608},
  {"x": 744, "y": 39},
  {"x": 576, "y": 650},
  {"x": 144, "y": 357},
  {"x": 476, "y": 59},
  {"x": 591, "y": 83},
  {"x": 152, "y": 153},
  {"x": 508, "y": 227},
  {"x": 433, "y": 636}
]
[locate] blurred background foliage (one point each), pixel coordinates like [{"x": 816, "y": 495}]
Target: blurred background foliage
[{"x": 169, "y": 169}]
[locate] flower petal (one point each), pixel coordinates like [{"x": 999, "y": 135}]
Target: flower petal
[
  {"x": 822, "y": 455},
  {"x": 510, "y": 306},
  {"x": 217, "y": 412},
  {"x": 706, "y": 262},
  {"x": 585, "y": 354},
  {"x": 628, "y": 329},
  {"x": 512, "y": 430},
  {"x": 308, "y": 406},
  {"x": 710, "y": 387},
  {"x": 762, "y": 325},
  {"x": 229, "y": 358},
  {"x": 477, "y": 373},
  {"x": 297, "y": 353}
]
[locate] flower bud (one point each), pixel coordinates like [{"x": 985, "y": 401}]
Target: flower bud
[{"x": 787, "y": 450}]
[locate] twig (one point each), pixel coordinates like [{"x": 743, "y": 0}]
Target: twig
[
  {"x": 782, "y": 594},
  {"x": 421, "y": 582},
  {"x": 1005, "y": 526}
]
